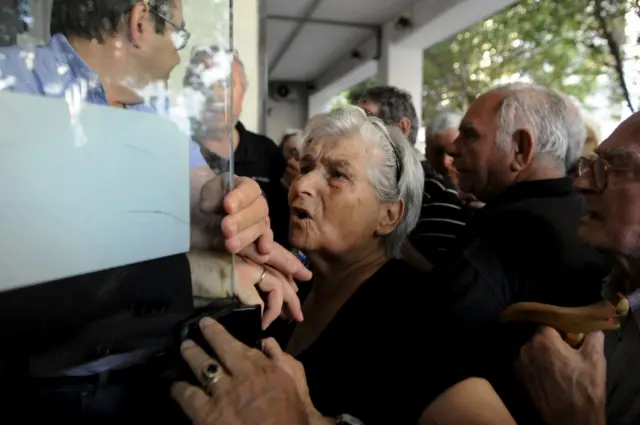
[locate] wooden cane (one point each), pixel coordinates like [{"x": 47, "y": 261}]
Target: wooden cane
[{"x": 572, "y": 322}]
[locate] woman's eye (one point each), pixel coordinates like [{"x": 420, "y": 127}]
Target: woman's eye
[
  {"x": 304, "y": 170},
  {"x": 335, "y": 174}
]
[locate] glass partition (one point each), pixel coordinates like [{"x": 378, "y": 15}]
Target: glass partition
[{"x": 112, "y": 113}]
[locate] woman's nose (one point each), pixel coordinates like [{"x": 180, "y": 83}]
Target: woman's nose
[{"x": 305, "y": 184}]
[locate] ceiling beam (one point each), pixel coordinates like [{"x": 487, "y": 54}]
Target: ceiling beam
[
  {"x": 308, "y": 11},
  {"x": 322, "y": 22}
]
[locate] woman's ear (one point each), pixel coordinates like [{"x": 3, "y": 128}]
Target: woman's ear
[
  {"x": 390, "y": 215},
  {"x": 523, "y": 149}
]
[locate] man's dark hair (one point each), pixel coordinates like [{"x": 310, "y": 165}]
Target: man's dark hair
[
  {"x": 394, "y": 104},
  {"x": 94, "y": 19}
]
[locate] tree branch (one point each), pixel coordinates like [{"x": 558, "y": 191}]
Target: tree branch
[{"x": 614, "y": 48}]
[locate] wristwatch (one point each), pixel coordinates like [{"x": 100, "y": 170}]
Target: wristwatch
[{"x": 345, "y": 419}]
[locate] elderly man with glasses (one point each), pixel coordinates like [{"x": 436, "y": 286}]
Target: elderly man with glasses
[{"x": 601, "y": 377}]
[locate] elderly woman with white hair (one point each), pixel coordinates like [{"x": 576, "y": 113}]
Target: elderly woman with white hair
[{"x": 352, "y": 207}]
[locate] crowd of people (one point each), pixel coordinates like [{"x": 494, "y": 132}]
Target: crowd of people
[{"x": 384, "y": 276}]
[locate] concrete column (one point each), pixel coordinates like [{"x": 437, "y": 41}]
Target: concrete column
[
  {"x": 401, "y": 67},
  {"x": 246, "y": 40}
]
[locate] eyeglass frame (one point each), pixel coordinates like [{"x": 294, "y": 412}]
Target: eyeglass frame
[
  {"x": 180, "y": 29},
  {"x": 590, "y": 162}
]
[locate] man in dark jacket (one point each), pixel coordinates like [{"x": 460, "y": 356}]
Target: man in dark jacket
[{"x": 522, "y": 246}]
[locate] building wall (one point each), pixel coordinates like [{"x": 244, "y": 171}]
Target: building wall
[{"x": 286, "y": 113}]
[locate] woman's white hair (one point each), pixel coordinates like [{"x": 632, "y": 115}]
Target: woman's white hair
[{"x": 398, "y": 176}]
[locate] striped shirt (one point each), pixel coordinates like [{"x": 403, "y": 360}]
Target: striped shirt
[{"x": 442, "y": 218}]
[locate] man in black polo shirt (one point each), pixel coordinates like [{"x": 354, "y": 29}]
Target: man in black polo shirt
[
  {"x": 521, "y": 247},
  {"x": 255, "y": 156}
]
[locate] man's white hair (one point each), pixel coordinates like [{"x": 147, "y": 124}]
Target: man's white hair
[
  {"x": 576, "y": 132},
  {"x": 397, "y": 176},
  {"x": 446, "y": 120},
  {"x": 542, "y": 111}
]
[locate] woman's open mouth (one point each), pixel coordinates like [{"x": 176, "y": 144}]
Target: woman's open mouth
[{"x": 300, "y": 213}]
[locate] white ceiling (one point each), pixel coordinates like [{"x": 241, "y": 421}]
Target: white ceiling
[{"x": 304, "y": 37}]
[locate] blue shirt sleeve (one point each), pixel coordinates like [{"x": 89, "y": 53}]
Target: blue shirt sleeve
[{"x": 195, "y": 156}]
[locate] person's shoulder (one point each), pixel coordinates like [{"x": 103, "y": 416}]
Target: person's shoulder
[
  {"x": 399, "y": 267},
  {"x": 438, "y": 188},
  {"x": 22, "y": 67},
  {"x": 520, "y": 226},
  {"x": 262, "y": 140}
]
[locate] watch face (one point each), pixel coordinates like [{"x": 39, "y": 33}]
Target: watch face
[{"x": 345, "y": 419}]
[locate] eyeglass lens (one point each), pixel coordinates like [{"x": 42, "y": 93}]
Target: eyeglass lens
[{"x": 599, "y": 169}]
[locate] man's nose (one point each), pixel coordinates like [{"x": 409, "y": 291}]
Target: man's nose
[{"x": 452, "y": 149}]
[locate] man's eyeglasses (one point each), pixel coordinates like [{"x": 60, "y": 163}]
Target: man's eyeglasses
[
  {"x": 180, "y": 36},
  {"x": 599, "y": 168}
]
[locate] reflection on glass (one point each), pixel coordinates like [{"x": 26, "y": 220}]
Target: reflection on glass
[{"x": 125, "y": 57}]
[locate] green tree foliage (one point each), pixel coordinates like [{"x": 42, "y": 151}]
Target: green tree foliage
[{"x": 557, "y": 43}]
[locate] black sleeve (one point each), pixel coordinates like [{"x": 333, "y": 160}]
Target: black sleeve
[
  {"x": 496, "y": 270},
  {"x": 278, "y": 199},
  {"x": 38, "y": 317}
]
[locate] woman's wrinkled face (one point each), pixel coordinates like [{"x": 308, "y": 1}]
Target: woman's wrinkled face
[{"x": 334, "y": 207}]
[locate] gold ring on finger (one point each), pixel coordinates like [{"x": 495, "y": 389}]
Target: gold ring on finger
[{"x": 264, "y": 273}]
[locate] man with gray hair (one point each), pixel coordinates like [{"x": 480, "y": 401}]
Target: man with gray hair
[
  {"x": 440, "y": 134},
  {"x": 522, "y": 246},
  {"x": 394, "y": 107},
  {"x": 442, "y": 216}
]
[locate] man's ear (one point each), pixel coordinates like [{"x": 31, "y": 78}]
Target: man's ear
[
  {"x": 523, "y": 149},
  {"x": 404, "y": 124},
  {"x": 139, "y": 23},
  {"x": 390, "y": 215}
]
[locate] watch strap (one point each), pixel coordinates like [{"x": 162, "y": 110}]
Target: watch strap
[{"x": 345, "y": 419}]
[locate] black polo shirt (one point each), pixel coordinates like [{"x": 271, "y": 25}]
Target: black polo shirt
[
  {"x": 259, "y": 158},
  {"x": 520, "y": 247}
]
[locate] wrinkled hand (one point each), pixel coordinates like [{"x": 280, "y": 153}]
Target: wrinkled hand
[
  {"x": 279, "y": 289},
  {"x": 291, "y": 173},
  {"x": 245, "y": 221},
  {"x": 251, "y": 390},
  {"x": 295, "y": 369},
  {"x": 281, "y": 260},
  {"x": 566, "y": 385}
]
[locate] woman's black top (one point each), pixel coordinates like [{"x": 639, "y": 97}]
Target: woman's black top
[{"x": 367, "y": 360}]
